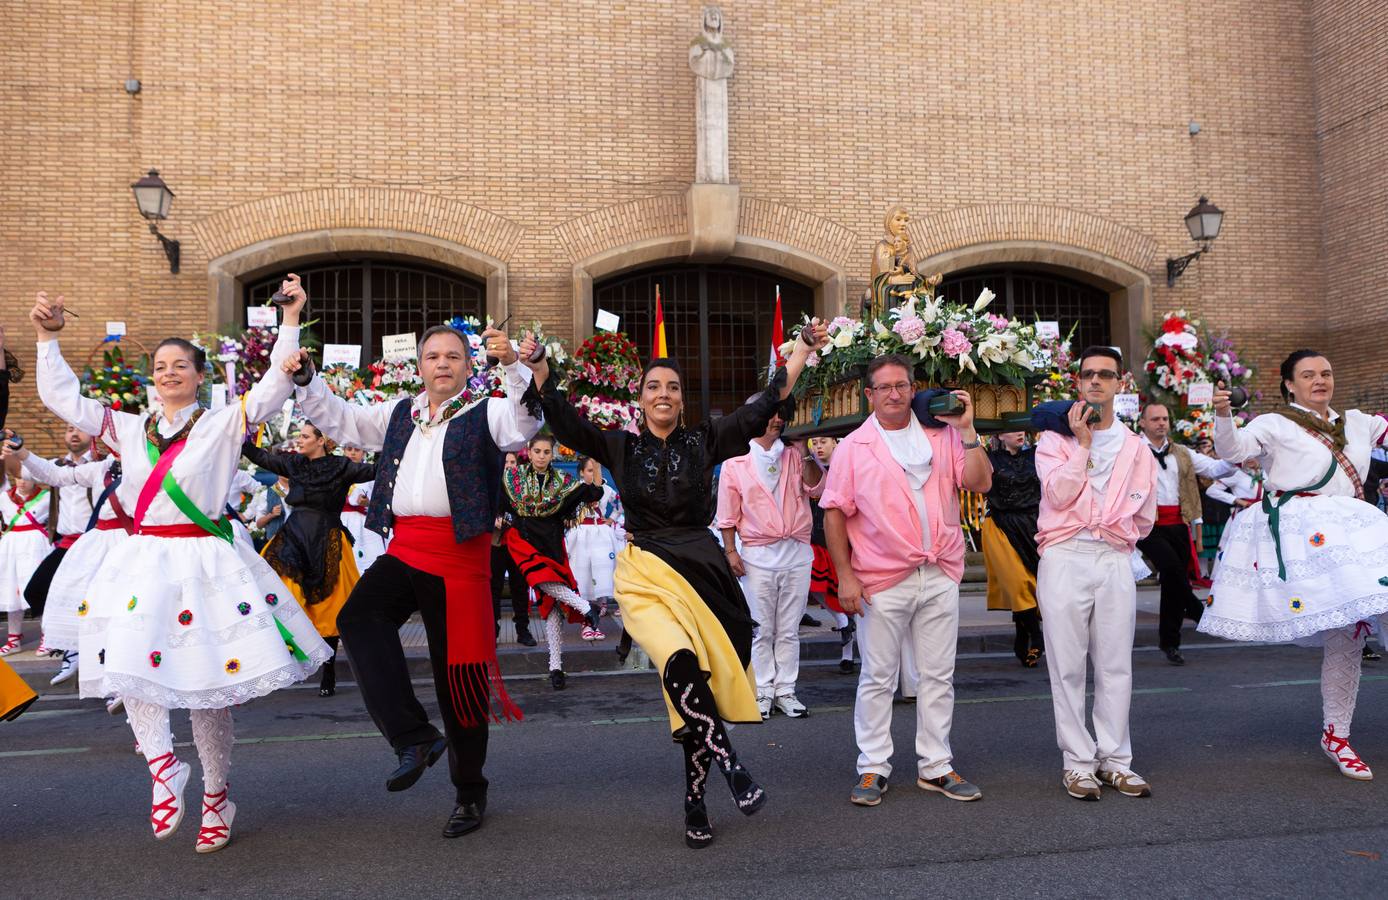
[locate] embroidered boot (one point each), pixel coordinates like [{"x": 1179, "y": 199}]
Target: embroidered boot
[
  {"x": 690, "y": 693},
  {"x": 698, "y": 832}
]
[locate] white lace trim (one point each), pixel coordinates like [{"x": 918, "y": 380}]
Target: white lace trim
[
  {"x": 1303, "y": 626},
  {"x": 207, "y": 698},
  {"x": 1322, "y": 563}
]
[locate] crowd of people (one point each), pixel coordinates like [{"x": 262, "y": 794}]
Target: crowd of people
[{"x": 708, "y": 539}]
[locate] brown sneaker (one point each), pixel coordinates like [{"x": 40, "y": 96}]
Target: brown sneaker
[
  {"x": 1081, "y": 785},
  {"x": 1129, "y": 784}
]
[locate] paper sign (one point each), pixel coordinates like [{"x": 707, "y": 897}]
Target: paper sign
[
  {"x": 342, "y": 355},
  {"x": 1048, "y": 331},
  {"x": 260, "y": 316},
  {"x": 115, "y": 328},
  {"x": 1127, "y": 406},
  {"x": 1201, "y": 393},
  {"x": 218, "y": 396},
  {"x": 400, "y": 346},
  {"x": 607, "y": 321}
]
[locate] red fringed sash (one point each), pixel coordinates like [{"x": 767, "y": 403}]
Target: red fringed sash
[
  {"x": 824, "y": 579},
  {"x": 539, "y": 569},
  {"x": 474, "y": 678}
]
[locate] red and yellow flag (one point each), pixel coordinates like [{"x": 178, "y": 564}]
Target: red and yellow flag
[{"x": 658, "y": 346}]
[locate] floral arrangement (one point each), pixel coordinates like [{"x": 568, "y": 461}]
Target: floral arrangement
[
  {"x": 604, "y": 380},
  {"x": 122, "y": 387},
  {"x": 1176, "y": 360},
  {"x": 950, "y": 343},
  {"x": 394, "y": 375},
  {"x": 1184, "y": 353},
  {"x": 351, "y": 385},
  {"x": 1223, "y": 364}
]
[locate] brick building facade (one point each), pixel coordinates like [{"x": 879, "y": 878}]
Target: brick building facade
[{"x": 537, "y": 152}]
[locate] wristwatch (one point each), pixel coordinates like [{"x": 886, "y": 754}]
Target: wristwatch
[{"x": 976, "y": 442}]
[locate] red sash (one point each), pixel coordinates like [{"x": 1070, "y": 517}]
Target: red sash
[
  {"x": 539, "y": 569},
  {"x": 110, "y": 525},
  {"x": 824, "y": 578},
  {"x": 186, "y": 530},
  {"x": 19, "y": 528},
  {"x": 66, "y": 540},
  {"x": 1169, "y": 515},
  {"x": 591, "y": 520},
  {"x": 348, "y": 507},
  {"x": 474, "y": 678}
]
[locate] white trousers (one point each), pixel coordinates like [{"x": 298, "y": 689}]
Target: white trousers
[
  {"x": 1088, "y": 602},
  {"x": 777, "y": 598},
  {"x": 923, "y": 611},
  {"x": 592, "y": 553}
]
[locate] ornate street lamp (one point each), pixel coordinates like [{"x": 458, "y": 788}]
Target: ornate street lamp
[
  {"x": 1203, "y": 223},
  {"x": 154, "y": 198}
]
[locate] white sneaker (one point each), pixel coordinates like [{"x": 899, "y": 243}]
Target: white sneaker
[
  {"x": 1081, "y": 785},
  {"x": 217, "y": 813},
  {"x": 1126, "y": 782},
  {"x": 790, "y": 707},
  {"x": 67, "y": 670},
  {"x": 764, "y": 704}
]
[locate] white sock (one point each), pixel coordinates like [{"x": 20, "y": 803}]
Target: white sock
[
  {"x": 150, "y": 723},
  {"x": 212, "y": 733},
  {"x": 1340, "y": 679},
  {"x": 554, "y": 637}
]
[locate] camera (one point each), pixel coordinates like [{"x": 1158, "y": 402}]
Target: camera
[{"x": 946, "y": 405}]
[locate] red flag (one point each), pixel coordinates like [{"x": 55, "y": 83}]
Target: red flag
[
  {"x": 778, "y": 337},
  {"x": 659, "y": 348}
]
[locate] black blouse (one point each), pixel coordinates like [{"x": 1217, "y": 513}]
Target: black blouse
[
  {"x": 546, "y": 533},
  {"x": 1014, "y": 500},
  {"x": 307, "y": 547},
  {"x": 667, "y": 491}
]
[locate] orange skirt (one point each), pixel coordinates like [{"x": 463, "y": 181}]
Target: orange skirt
[
  {"x": 324, "y": 613},
  {"x": 15, "y": 695},
  {"x": 1011, "y": 586}
]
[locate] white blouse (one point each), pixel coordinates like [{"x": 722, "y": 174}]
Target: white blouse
[
  {"x": 89, "y": 476},
  {"x": 1291, "y": 458},
  {"x": 420, "y": 489},
  {"x": 209, "y": 460}
]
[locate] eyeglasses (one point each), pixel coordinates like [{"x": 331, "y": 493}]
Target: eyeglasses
[
  {"x": 1101, "y": 374},
  {"x": 886, "y": 390}
]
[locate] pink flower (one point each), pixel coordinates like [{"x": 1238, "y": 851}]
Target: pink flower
[
  {"x": 840, "y": 322},
  {"x": 953, "y": 343},
  {"x": 909, "y": 328},
  {"x": 999, "y": 322}
]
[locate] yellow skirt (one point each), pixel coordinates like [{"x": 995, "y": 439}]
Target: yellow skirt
[
  {"x": 15, "y": 695},
  {"x": 323, "y": 615},
  {"x": 1010, "y": 585},
  {"x": 664, "y": 615}
]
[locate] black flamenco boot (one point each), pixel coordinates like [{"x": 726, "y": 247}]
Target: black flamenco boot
[
  {"x": 698, "y": 832},
  {"x": 327, "y": 686},
  {"x": 623, "y": 647},
  {"x": 690, "y": 693},
  {"x": 1022, "y": 642}
]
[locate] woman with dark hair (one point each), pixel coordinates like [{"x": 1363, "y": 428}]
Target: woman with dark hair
[
  {"x": 1309, "y": 563},
  {"x": 312, "y": 551},
  {"x": 1009, "y": 541},
  {"x": 678, "y": 596},
  {"x": 185, "y": 616}
]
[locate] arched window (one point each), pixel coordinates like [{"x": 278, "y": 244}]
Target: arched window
[
  {"x": 361, "y": 301},
  {"x": 717, "y": 325},
  {"x": 1031, "y": 294}
]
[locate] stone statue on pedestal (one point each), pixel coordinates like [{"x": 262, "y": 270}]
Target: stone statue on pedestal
[{"x": 711, "y": 59}]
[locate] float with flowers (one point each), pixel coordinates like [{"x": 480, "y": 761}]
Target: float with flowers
[{"x": 994, "y": 358}]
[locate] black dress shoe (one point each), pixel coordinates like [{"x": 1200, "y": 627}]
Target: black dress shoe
[
  {"x": 413, "y": 761},
  {"x": 466, "y": 817},
  {"x": 846, "y": 666},
  {"x": 557, "y": 679},
  {"x": 524, "y": 638},
  {"x": 1174, "y": 657}
]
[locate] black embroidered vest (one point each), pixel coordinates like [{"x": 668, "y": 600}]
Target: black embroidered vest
[{"x": 472, "y": 466}]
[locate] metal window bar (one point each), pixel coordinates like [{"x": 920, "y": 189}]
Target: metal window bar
[{"x": 1031, "y": 295}]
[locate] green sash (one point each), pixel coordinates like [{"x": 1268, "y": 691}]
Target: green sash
[
  {"x": 1274, "y": 512},
  {"x": 24, "y": 510},
  {"x": 221, "y": 528}
]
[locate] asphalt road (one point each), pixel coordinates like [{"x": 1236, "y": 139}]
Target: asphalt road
[{"x": 585, "y": 799}]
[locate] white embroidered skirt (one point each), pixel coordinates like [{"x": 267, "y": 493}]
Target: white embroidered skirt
[
  {"x": 69, "y": 586},
  {"x": 192, "y": 623},
  {"x": 20, "y": 554},
  {"x": 1335, "y": 550}
]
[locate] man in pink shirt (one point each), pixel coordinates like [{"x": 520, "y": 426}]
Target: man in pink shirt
[
  {"x": 892, "y": 525},
  {"x": 764, "y": 498},
  {"x": 1098, "y": 498}
]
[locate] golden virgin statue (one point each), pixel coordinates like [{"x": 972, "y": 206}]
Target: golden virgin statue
[{"x": 894, "y": 274}]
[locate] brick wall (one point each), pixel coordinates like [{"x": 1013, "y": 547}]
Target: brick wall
[{"x": 537, "y": 133}]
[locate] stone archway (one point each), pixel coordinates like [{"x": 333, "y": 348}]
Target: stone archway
[{"x": 1088, "y": 248}]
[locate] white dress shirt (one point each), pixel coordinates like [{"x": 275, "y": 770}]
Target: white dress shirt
[
  {"x": 1169, "y": 477},
  {"x": 420, "y": 489}
]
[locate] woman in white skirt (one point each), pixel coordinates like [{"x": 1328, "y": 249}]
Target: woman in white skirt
[
  {"x": 108, "y": 529},
  {"x": 367, "y": 545},
  {"x": 185, "y": 616},
  {"x": 594, "y": 540},
  {"x": 1310, "y": 562},
  {"x": 24, "y": 544}
]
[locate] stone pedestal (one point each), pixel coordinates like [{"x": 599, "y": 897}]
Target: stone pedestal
[{"x": 713, "y": 210}]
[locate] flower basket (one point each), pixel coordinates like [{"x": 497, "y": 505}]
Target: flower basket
[{"x": 107, "y": 376}]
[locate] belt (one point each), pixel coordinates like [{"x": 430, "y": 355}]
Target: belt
[
  {"x": 592, "y": 521},
  {"x": 66, "y": 540},
  {"x": 347, "y": 507},
  {"x": 109, "y": 525},
  {"x": 1170, "y": 515},
  {"x": 27, "y": 527},
  {"x": 187, "y": 530}
]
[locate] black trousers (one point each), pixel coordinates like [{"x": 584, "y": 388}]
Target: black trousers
[
  {"x": 36, "y": 591},
  {"x": 1168, "y": 547},
  {"x": 503, "y": 567},
  {"x": 369, "y": 623}
]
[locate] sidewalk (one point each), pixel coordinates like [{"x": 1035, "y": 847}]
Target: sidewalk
[{"x": 980, "y": 631}]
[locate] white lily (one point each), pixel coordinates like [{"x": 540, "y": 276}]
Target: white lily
[
  {"x": 966, "y": 362},
  {"x": 984, "y": 298},
  {"x": 930, "y": 311},
  {"x": 843, "y": 339}
]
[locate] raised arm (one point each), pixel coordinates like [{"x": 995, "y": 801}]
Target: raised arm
[
  {"x": 279, "y": 463},
  {"x": 573, "y": 429},
  {"x": 515, "y": 418},
  {"x": 266, "y": 397},
  {"x": 583, "y": 493},
  {"x": 58, "y": 386},
  {"x": 88, "y": 475},
  {"x": 343, "y": 421}
]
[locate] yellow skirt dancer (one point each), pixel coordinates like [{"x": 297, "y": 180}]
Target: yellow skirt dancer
[
  {"x": 15, "y": 695},
  {"x": 1009, "y": 542},
  {"x": 312, "y": 551}
]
